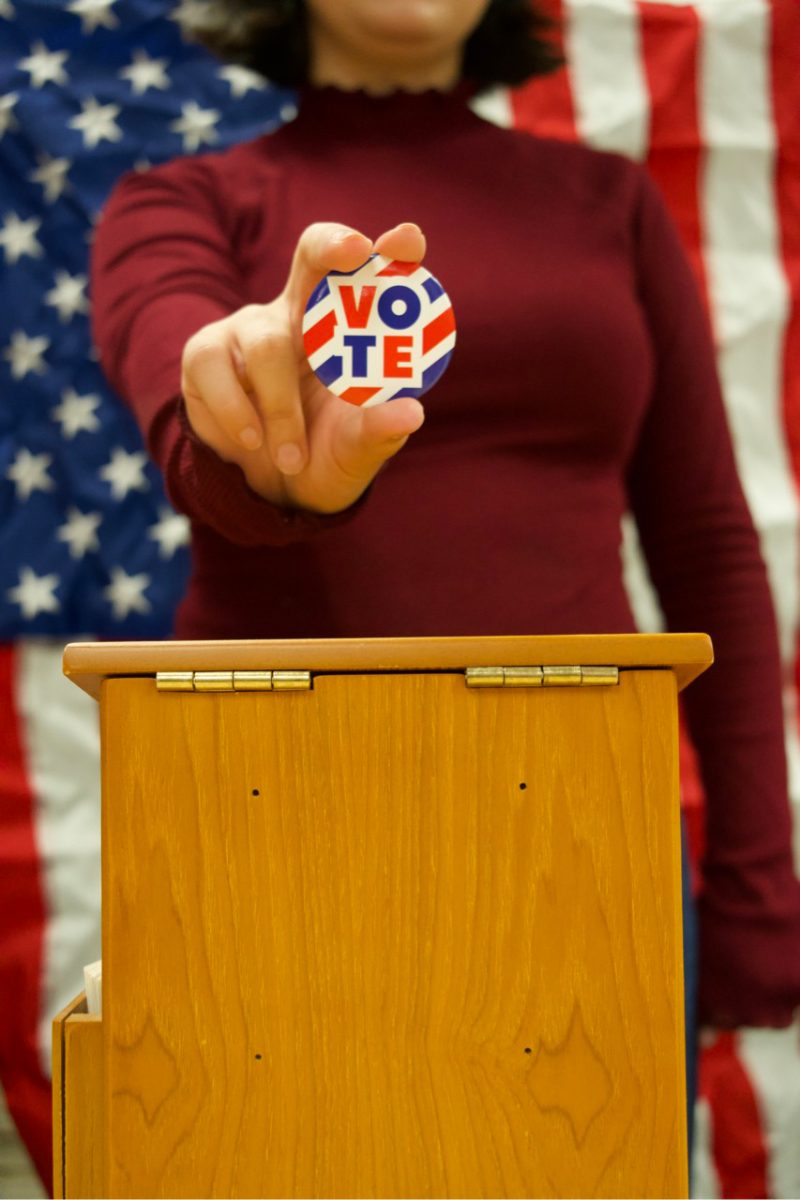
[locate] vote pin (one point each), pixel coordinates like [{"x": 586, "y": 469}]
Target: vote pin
[{"x": 380, "y": 332}]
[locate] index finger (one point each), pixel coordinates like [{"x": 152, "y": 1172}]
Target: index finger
[
  {"x": 321, "y": 248},
  {"x": 328, "y": 247}
]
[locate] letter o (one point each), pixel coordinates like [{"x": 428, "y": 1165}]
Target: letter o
[{"x": 399, "y": 294}]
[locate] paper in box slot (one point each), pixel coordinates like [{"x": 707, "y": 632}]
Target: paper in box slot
[{"x": 93, "y": 984}]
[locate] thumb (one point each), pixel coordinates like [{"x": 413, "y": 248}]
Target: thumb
[{"x": 373, "y": 435}]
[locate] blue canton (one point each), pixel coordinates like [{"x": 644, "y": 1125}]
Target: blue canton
[{"x": 89, "y": 89}]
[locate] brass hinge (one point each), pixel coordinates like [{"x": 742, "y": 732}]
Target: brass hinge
[
  {"x": 233, "y": 681},
  {"x": 483, "y": 677}
]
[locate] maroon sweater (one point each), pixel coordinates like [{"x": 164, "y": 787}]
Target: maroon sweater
[{"x": 583, "y": 383}]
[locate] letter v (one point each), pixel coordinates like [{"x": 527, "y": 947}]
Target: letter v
[{"x": 357, "y": 314}]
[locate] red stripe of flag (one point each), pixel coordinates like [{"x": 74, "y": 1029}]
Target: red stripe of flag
[
  {"x": 359, "y": 395},
  {"x": 438, "y": 329},
  {"x": 22, "y": 922},
  {"x": 740, "y": 1154},
  {"x": 785, "y": 70},
  {"x": 320, "y": 333},
  {"x": 398, "y": 268},
  {"x": 545, "y": 106},
  {"x": 670, "y": 38}
]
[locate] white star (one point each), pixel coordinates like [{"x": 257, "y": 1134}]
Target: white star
[
  {"x": 97, "y": 123},
  {"x": 146, "y": 72},
  {"x": 52, "y": 175},
  {"x": 190, "y": 12},
  {"x": 79, "y": 531},
  {"x": 170, "y": 531},
  {"x": 18, "y": 237},
  {"x": 142, "y": 165},
  {"x": 68, "y": 296},
  {"x": 25, "y": 354},
  {"x": 45, "y": 66},
  {"x": 77, "y": 413},
  {"x": 241, "y": 79},
  {"x": 93, "y": 13},
  {"x": 28, "y": 473},
  {"x": 125, "y": 593},
  {"x": 7, "y": 119},
  {"x": 7, "y": 10},
  {"x": 125, "y": 473},
  {"x": 34, "y": 593},
  {"x": 195, "y": 125},
  {"x": 288, "y": 111}
]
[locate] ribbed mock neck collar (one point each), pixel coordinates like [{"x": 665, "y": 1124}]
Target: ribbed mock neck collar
[{"x": 332, "y": 110}]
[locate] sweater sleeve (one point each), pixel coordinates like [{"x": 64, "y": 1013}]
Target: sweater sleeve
[
  {"x": 704, "y": 558},
  {"x": 163, "y": 266}
]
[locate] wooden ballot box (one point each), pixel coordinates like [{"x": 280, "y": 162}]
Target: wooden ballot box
[{"x": 384, "y": 918}]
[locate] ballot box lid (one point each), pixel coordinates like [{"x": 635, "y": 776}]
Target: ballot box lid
[{"x": 687, "y": 655}]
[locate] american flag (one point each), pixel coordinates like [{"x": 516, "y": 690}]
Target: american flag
[{"x": 707, "y": 94}]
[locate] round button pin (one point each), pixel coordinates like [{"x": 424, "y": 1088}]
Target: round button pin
[{"x": 380, "y": 332}]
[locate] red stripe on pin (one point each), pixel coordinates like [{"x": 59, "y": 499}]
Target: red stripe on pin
[
  {"x": 319, "y": 334},
  {"x": 438, "y": 330},
  {"x": 398, "y": 268}
]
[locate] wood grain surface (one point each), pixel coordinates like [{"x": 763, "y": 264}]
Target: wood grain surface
[
  {"x": 393, "y": 937},
  {"x": 57, "y": 1092},
  {"x": 687, "y": 654},
  {"x": 83, "y": 1100},
  {"x": 78, "y": 1127}
]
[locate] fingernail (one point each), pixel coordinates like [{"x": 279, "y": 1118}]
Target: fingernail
[
  {"x": 289, "y": 458},
  {"x": 345, "y": 235},
  {"x": 250, "y": 437}
]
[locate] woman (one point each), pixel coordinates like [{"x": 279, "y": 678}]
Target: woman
[{"x": 583, "y": 383}]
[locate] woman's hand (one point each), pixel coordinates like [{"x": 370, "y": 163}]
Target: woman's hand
[{"x": 252, "y": 397}]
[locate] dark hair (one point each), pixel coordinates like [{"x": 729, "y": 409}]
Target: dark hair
[{"x": 512, "y": 43}]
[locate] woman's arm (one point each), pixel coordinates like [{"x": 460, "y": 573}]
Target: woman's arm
[
  {"x": 220, "y": 387},
  {"x": 705, "y": 562}
]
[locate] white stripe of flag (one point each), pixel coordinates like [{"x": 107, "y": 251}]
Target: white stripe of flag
[
  {"x": 62, "y": 744},
  {"x": 611, "y": 97},
  {"x": 750, "y": 298}
]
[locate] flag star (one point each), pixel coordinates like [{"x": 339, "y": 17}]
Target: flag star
[
  {"x": 125, "y": 593},
  {"x": 7, "y": 119},
  {"x": 34, "y": 593},
  {"x": 241, "y": 79},
  {"x": 18, "y": 237},
  {"x": 97, "y": 123},
  {"x": 79, "y": 531},
  {"x": 45, "y": 66},
  {"x": 7, "y": 10},
  {"x": 196, "y": 125},
  {"x": 190, "y": 12},
  {"x": 146, "y": 72},
  {"x": 288, "y": 111},
  {"x": 28, "y": 473},
  {"x": 26, "y": 353},
  {"x": 68, "y": 295},
  {"x": 170, "y": 531},
  {"x": 77, "y": 413},
  {"x": 125, "y": 473},
  {"x": 94, "y": 13},
  {"x": 52, "y": 175}
]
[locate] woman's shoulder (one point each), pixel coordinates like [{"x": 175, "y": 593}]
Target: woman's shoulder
[
  {"x": 595, "y": 172},
  {"x": 214, "y": 175}
]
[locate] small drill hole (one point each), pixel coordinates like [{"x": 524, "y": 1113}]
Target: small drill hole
[
  {"x": 258, "y": 1056},
  {"x": 256, "y": 792},
  {"x": 522, "y": 787},
  {"x": 528, "y": 1050}
]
